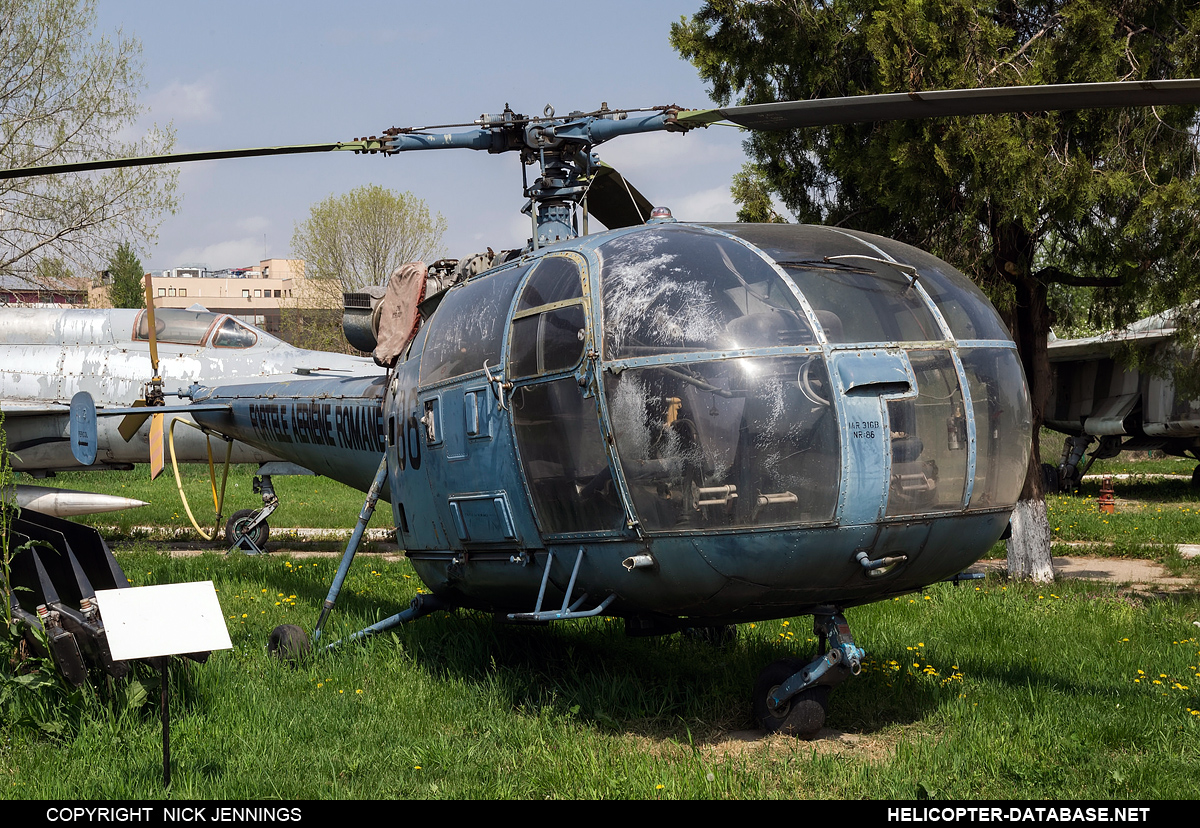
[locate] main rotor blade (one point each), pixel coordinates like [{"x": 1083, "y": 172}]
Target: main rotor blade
[
  {"x": 616, "y": 202},
  {"x": 364, "y": 145},
  {"x": 950, "y": 102}
]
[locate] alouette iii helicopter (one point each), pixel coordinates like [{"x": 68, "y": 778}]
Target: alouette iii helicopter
[{"x": 680, "y": 425}]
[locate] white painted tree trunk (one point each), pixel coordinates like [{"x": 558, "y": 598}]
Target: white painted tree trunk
[{"x": 1029, "y": 547}]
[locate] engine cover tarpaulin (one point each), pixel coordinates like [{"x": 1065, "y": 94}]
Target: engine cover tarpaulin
[{"x": 398, "y": 318}]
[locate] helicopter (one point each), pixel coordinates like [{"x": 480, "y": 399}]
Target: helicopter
[{"x": 680, "y": 425}]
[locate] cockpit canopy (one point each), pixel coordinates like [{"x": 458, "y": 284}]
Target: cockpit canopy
[{"x": 195, "y": 327}]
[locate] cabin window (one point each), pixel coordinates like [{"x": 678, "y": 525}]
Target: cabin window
[
  {"x": 866, "y": 302},
  {"x": 678, "y": 289},
  {"x": 996, "y": 385},
  {"x": 549, "y": 326},
  {"x": 467, "y": 328},
  {"x": 929, "y": 440},
  {"x": 558, "y": 436},
  {"x": 738, "y": 442}
]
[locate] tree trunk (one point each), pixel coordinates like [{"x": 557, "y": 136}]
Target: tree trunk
[{"x": 1029, "y": 547}]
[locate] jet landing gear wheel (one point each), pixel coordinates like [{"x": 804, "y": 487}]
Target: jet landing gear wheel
[
  {"x": 802, "y": 715},
  {"x": 288, "y": 643},
  {"x": 236, "y": 527}
]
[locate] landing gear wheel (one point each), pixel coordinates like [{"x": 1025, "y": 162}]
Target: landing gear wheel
[
  {"x": 802, "y": 715},
  {"x": 288, "y": 643},
  {"x": 1050, "y": 478},
  {"x": 237, "y": 523}
]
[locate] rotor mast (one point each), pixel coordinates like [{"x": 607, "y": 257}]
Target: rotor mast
[{"x": 560, "y": 147}]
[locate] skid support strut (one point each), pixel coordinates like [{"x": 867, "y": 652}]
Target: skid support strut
[{"x": 364, "y": 517}]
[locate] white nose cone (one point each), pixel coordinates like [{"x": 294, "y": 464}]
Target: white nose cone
[{"x": 67, "y": 502}]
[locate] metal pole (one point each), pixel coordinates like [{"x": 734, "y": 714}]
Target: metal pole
[
  {"x": 165, "y": 705},
  {"x": 364, "y": 517}
]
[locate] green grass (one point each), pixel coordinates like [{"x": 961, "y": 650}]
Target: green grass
[{"x": 1000, "y": 691}]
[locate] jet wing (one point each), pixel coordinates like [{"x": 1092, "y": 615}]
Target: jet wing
[
  {"x": 1096, "y": 347},
  {"x": 12, "y": 408}
]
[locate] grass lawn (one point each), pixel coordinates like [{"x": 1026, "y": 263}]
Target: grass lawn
[
  {"x": 988, "y": 690},
  {"x": 999, "y": 690}
]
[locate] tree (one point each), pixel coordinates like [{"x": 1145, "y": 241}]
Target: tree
[
  {"x": 350, "y": 242},
  {"x": 67, "y": 95},
  {"x": 128, "y": 290},
  {"x": 1022, "y": 203}
]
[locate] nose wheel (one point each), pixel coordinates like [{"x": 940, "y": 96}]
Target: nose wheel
[
  {"x": 802, "y": 715},
  {"x": 247, "y": 529},
  {"x": 791, "y": 696}
]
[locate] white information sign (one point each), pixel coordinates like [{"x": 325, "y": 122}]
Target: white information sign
[{"x": 150, "y": 621}]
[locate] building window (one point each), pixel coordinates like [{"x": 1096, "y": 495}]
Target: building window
[
  {"x": 257, "y": 293},
  {"x": 170, "y": 291},
  {"x": 183, "y": 292},
  {"x": 245, "y": 294},
  {"x": 162, "y": 291}
]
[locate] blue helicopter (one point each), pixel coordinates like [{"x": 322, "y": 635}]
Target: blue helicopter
[{"x": 681, "y": 425}]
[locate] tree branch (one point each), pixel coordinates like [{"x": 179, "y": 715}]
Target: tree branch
[{"x": 1061, "y": 277}]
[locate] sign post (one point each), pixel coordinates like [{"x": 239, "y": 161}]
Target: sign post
[{"x": 157, "y": 622}]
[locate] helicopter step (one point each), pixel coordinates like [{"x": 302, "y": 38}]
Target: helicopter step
[
  {"x": 569, "y": 609},
  {"x": 792, "y": 697}
]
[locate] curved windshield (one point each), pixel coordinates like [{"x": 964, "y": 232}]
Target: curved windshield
[
  {"x": 673, "y": 289},
  {"x": 859, "y": 300},
  {"x": 233, "y": 334},
  {"x": 549, "y": 328},
  {"x": 181, "y": 327},
  {"x": 739, "y": 442}
]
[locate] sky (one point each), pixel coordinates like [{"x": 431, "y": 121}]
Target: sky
[{"x": 258, "y": 73}]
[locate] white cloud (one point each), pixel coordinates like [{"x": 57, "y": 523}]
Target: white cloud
[
  {"x": 715, "y": 204},
  {"x": 231, "y": 253},
  {"x": 656, "y": 152},
  {"x": 253, "y": 224},
  {"x": 184, "y": 102}
]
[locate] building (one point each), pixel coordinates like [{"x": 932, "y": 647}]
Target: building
[
  {"x": 254, "y": 294},
  {"x": 21, "y": 291}
]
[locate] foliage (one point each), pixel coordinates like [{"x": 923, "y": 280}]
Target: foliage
[
  {"x": 318, "y": 329},
  {"x": 68, "y": 94},
  {"x": 752, "y": 191},
  {"x": 128, "y": 289},
  {"x": 51, "y": 271},
  {"x": 359, "y": 238},
  {"x": 350, "y": 242},
  {"x": 1099, "y": 198}
]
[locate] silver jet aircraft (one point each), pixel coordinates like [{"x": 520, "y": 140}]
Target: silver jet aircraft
[
  {"x": 48, "y": 355},
  {"x": 1099, "y": 399}
]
